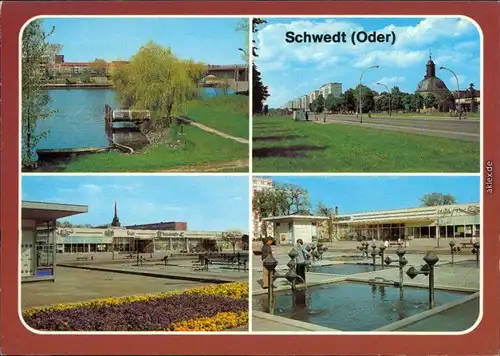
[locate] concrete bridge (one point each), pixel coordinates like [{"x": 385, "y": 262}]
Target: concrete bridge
[{"x": 235, "y": 75}]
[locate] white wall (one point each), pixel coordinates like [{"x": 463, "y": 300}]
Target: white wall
[{"x": 303, "y": 230}]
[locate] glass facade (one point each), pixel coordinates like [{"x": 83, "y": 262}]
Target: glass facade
[
  {"x": 418, "y": 223},
  {"x": 44, "y": 249}
]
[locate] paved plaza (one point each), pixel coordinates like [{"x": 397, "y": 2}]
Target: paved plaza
[
  {"x": 101, "y": 277},
  {"x": 465, "y": 129},
  {"x": 75, "y": 285}
]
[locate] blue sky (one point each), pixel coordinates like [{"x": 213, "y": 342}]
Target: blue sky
[
  {"x": 295, "y": 69},
  {"x": 370, "y": 193},
  {"x": 209, "y": 40},
  {"x": 205, "y": 202}
]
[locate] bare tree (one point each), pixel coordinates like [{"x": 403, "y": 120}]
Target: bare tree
[
  {"x": 330, "y": 213},
  {"x": 232, "y": 236}
]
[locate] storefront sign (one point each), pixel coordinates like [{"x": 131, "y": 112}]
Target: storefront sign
[
  {"x": 171, "y": 233},
  {"x": 64, "y": 232},
  {"x": 343, "y": 218},
  {"x": 109, "y": 233},
  {"x": 469, "y": 210}
]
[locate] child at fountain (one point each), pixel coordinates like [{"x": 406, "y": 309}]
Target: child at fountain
[{"x": 300, "y": 261}]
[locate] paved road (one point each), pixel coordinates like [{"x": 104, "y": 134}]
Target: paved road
[{"x": 468, "y": 129}]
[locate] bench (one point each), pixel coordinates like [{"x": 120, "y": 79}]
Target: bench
[
  {"x": 82, "y": 258},
  {"x": 391, "y": 244},
  {"x": 467, "y": 244}
]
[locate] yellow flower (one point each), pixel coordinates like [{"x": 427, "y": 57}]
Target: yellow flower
[
  {"x": 220, "y": 322},
  {"x": 231, "y": 290}
]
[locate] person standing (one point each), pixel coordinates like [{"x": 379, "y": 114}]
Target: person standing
[
  {"x": 266, "y": 251},
  {"x": 300, "y": 261}
]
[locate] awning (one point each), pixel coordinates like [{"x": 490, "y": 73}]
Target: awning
[
  {"x": 296, "y": 217},
  {"x": 83, "y": 240},
  {"x": 399, "y": 220},
  {"x": 41, "y": 211}
]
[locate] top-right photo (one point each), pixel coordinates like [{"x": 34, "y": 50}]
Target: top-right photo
[{"x": 372, "y": 94}]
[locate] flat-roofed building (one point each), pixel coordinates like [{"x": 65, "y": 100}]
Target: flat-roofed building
[
  {"x": 334, "y": 88},
  {"x": 39, "y": 237},
  {"x": 447, "y": 221},
  {"x": 313, "y": 95},
  {"x": 304, "y": 102},
  {"x": 288, "y": 229}
]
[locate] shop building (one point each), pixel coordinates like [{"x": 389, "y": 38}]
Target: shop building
[
  {"x": 38, "y": 237},
  {"x": 288, "y": 229},
  {"x": 448, "y": 221}
]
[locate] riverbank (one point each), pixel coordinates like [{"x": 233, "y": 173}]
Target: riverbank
[{"x": 193, "y": 147}]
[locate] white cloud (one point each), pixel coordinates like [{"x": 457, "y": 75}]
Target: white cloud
[
  {"x": 123, "y": 187},
  {"x": 275, "y": 53},
  {"x": 90, "y": 188},
  {"x": 400, "y": 59},
  {"x": 430, "y": 30},
  {"x": 82, "y": 189},
  {"x": 144, "y": 207},
  {"x": 389, "y": 81}
]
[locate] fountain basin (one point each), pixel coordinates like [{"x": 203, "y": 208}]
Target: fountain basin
[
  {"x": 353, "y": 306},
  {"x": 466, "y": 264},
  {"x": 345, "y": 268}
]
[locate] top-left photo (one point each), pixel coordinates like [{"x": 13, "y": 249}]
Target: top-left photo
[{"x": 134, "y": 94}]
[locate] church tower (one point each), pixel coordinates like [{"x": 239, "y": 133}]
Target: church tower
[
  {"x": 431, "y": 67},
  {"x": 116, "y": 221}
]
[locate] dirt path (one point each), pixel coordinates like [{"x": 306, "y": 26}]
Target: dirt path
[
  {"x": 211, "y": 167},
  {"x": 214, "y": 131}
]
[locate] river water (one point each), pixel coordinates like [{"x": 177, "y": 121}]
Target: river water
[{"x": 79, "y": 119}]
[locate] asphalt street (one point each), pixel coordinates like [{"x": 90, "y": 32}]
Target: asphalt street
[{"x": 465, "y": 129}]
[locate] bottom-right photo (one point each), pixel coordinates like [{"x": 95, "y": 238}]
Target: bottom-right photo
[{"x": 366, "y": 253}]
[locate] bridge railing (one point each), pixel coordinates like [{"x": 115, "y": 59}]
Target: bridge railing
[{"x": 131, "y": 114}]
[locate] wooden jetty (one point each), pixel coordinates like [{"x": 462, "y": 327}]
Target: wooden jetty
[{"x": 128, "y": 135}]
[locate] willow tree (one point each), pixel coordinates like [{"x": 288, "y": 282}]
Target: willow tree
[
  {"x": 35, "y": 99},
  {"x": 244, "y": 27},
  {"x": 156, "y": 80}
]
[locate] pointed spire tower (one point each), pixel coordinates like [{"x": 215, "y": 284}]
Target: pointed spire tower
[{"x": 116, "y": 221}]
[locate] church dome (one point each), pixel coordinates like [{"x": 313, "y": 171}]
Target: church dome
[{"x": 431, "y": 84}]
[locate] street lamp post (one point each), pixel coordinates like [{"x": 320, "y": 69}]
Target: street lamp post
[
  {"x": 390, "y": 97},
  {"x": 360, "y": 84},
  {"x": 247, "y": 59},
  {"x": 458, "y": 91}
]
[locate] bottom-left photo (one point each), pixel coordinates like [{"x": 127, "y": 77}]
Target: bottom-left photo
[{"x": 134, "y": 253}]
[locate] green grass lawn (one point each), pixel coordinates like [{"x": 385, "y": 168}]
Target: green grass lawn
[
  {"x": 201, "y": 148},
  {"x": 283, "y": 145},
  {"x": 228, "y": 114}
]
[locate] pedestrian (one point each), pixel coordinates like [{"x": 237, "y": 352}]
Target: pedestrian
[
  {"x": 307, "y": 116},
  {"x": 266, "y": 251},
  {"x": 300, "y": 261}
]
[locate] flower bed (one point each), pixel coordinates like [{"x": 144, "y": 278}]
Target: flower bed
[{"x": 211, "y": 308}]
